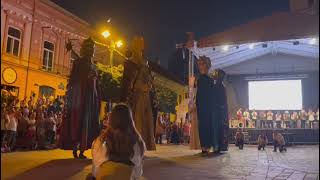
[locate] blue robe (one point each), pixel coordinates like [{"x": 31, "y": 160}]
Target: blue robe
[{"x": 209, "y": 132}]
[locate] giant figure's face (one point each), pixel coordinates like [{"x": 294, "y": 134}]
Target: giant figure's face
[
  {"x": 87, "y": 48},
  {"x": 204, "y": 65}
]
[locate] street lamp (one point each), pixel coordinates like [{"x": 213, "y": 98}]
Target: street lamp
[
  {"x": 119, "y": 44},
  {"x": 113, "y": 44},
  {"x": 105, "y": 34}
]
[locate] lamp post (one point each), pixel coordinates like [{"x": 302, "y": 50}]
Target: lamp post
[{"x": 113, "y": 45}]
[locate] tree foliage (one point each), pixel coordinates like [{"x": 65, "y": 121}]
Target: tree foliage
[
  {"x": 110, "y": 81},
  {"x": 167, "y": 99}
]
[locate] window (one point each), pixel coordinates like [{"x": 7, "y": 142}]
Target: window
[
  {"x": 13, "y": 41},
  {"x": 46, "y": 91},
  {"x": 48, "y": 52}
]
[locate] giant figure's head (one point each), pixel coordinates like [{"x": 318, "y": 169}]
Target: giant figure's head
[
  {"x": 87, "y": 48},
  {"x": 204, "y": 64}
]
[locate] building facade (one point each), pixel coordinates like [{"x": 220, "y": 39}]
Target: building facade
[{"x": 34, "y": 60}]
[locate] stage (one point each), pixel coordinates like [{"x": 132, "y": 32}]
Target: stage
[{"x": 293, "y": 136}]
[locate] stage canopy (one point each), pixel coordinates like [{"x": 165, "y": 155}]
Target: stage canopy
[{"x": 278, "y": 38}]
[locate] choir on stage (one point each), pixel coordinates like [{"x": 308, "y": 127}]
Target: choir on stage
[{"x": 276, "y": 119}]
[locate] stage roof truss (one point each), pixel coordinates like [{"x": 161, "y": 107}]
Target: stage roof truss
[{"x": 227, "y": 55}]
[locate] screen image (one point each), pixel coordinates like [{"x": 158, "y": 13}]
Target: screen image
[{"x": 275, "y": 95}]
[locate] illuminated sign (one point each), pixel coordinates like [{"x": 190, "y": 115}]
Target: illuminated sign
[{"x": 9, "y": 75}]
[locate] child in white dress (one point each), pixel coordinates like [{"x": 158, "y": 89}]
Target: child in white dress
[{"x": 119, "y": 143}]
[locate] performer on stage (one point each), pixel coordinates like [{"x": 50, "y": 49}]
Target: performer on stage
[
  {"x": 136, "y": 87},
  {"x": 80, "y": 125}
]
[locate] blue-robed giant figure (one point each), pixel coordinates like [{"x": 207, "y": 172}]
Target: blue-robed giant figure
[{"x": 211, "y": 109}]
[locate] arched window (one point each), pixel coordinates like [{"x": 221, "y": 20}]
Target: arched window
[{"x": 46, "y": 91}]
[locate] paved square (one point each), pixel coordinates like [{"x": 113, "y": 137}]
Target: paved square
[{"x": 171, "y": 162}]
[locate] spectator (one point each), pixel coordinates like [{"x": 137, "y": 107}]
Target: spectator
[
  {"x": 3, "y": 124},
  {"x": 50, "y": 128},
  {"x": 12, "y": 124},
  {"x": 160, "y": 130},
  {"x": 186, "y": 132},
  {"x": 31, "y": 133},
  {"x": 41, "y": 129},
  {"x": 175, "y": 133},
  {"x": 120, "y": 143}
]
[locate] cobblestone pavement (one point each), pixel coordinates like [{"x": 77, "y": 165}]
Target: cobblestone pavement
[{"x": 171, "y": 162}]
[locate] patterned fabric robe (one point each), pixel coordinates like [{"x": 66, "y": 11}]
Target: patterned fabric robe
[{"x": 81, "y": 114}]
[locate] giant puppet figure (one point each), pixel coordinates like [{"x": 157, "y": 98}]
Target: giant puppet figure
[
  {"x": 136, "y": 86},
  {"x": 211, "y": 108},
  {"x": 221, "y": 105},
  {"x": 80, "y": 125}
]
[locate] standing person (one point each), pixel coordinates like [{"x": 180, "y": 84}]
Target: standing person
[
  {"x": 186, "y": 132},
  {"x": 286, "y": 119},
  {"x": 311, "y": 118},
  {"x": 247, "y": 119},
  {"x": 278, "y": 120},
  {"x": 270, "y": 119},
  {"x": 12, "y": 123},
  {"x": 41, "y": 130},
  {"x": 240, "y": 117},
  {"x": 174, "y": 133},
  {"x": 255, "y": 121},
  {"x": 80, "y": 125},
  {"x": 209, "y": 127},
  {"x": 303, "y": 117},
  {"x": 31, "y": 134},
  {"x": 263, "y": 118},
  {"x": 120, "y": 146},
  {"x": 136, "y": 86},
  {"x": 294, "y": 117},
  {"x": 160, "y": 128},
  {"x": 51, "y": 128},
  {"x": 3, "y": 124}
]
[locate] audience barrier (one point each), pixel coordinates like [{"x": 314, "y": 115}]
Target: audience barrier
[{"x": 292, "y": 136}]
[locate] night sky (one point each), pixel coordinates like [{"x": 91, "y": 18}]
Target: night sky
[{"x": 163, "y": 23}]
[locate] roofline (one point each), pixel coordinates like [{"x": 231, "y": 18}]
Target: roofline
[{"x": 66, "y": 12}]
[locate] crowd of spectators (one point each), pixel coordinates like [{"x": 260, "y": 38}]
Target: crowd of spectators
[
  {"x": 276, "y": 119},
  {"x": 30, "y": 124},
  {"x": 175, "y": 132}
]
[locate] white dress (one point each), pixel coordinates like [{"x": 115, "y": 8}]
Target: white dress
[{"x": 99, "y": 156}]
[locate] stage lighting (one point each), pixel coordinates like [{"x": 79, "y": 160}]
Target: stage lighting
[
  {"x": 313, "y": 41},
  {"x": 264, "y": 45},
  {"x": 225, "y": 48},
  {"x": 251, "y": 46}
]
